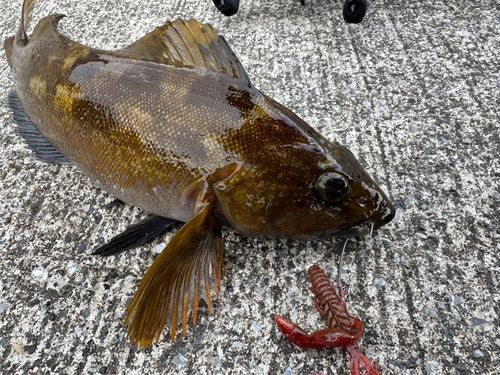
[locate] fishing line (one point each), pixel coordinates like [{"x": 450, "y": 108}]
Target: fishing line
[{"x": 339, "y": 282}]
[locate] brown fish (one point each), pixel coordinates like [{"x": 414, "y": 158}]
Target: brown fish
[{"x": 172, "y": 124}]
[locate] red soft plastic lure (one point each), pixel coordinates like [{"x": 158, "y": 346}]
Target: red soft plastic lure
[{"x": 343, "y": 330}]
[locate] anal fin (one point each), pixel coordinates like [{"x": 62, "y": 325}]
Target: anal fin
[
  {"x": 178, "y": 277},
  {"x": 44, "y": 151},
  {"x": 136, "y": 235}
]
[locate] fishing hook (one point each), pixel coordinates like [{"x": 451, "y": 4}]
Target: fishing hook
[{"x": 341, "y": 287}]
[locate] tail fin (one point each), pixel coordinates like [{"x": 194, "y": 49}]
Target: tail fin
[
  {"x": 28, "y": 6},
  {"x": 8, "y": 45}
]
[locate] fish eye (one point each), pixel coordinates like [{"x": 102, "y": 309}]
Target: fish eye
[{"x": 332, "y": 187}]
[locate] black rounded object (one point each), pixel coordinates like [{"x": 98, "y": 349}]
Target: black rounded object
[
  {"x": 227, "y": 7},
  {"x": 354, "y": 10}
]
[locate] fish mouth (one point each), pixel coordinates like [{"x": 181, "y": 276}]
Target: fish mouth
[
  {"x": 386, "y": 216},
  {"x": 373, "y": 223},
  {"x": 355, "y": 231}
]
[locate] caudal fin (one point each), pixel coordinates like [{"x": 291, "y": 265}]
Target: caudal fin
[{"x": 8, "y": 45}]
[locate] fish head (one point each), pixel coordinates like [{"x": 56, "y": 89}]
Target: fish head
[{"x": 317, "y": 190}]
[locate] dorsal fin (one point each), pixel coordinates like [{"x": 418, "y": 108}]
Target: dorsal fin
[
  {"x": 188, "y": 45},
  {"x": 28, "y": 6}
]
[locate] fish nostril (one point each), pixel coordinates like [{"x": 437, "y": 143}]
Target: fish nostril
[{"x": 362, "y": 201}]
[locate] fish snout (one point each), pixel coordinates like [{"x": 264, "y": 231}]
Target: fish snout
[{"x": 385, "y": 215}]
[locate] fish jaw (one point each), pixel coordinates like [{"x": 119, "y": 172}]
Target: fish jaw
[{"x": 383, "y": 215}]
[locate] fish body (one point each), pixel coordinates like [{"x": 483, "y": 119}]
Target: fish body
[{"x": 172, "y": 124}]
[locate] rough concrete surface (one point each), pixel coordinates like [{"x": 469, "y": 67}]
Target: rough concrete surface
[{"x": 413, "y": 91}]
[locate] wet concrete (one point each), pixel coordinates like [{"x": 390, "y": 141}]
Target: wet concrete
[{"x": 413, "y": 91}]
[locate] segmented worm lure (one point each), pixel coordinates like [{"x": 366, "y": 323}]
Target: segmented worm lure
[{"x": 343, "y": 329}]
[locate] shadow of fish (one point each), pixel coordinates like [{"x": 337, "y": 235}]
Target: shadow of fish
[{"x": 172, "y": 124}]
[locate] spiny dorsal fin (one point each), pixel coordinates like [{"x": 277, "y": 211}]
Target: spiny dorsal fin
[
  {"x": 28, "y": 6},
  {"x": 47, "y": 25},
  {"x": 178, "y": 277},
  {"x": 188, "y": 45}
]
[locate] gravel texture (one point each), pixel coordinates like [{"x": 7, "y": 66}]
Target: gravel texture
[{"x": 414, "y": 91}]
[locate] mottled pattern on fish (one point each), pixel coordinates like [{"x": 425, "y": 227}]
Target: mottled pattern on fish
[
  {"x": 173, "y": 125},
  {"x": 103, "y": 110}
]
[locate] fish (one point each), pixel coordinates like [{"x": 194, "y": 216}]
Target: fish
[{"x": 172, "y": 124}]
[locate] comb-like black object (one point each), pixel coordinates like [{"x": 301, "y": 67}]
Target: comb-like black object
[{"x": 44, "y": 151}]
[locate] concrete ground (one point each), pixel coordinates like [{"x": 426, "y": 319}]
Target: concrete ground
[{"x": 414, "y": 91}]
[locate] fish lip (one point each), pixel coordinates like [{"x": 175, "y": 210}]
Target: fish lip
[
  {"x": 387, "y": 215},
  {"x": 358, "y": 230},
  {"x": 372, "y": 223}
]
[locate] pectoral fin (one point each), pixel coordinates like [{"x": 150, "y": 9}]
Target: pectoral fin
[{"x": 178, "y": 277}]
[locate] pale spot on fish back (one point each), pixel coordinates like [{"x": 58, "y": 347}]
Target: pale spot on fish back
[
  {"x": 214, "y": 151},
  {"x": 137, "y": 115},
  {"x": 52, "y": 59},
  {"x": 38, "y": 85},
  {"x": 70, "y": 59},
  {"x": 181, "y": 91}
]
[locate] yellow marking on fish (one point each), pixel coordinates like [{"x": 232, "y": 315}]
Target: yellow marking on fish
[
  {"x": 72, "y": 57},
  {"x": 66, "y": 97},
  {"x": 38, "y": 85}
]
